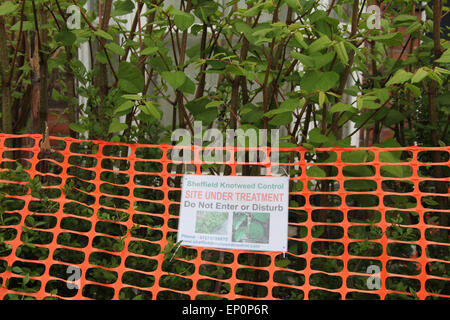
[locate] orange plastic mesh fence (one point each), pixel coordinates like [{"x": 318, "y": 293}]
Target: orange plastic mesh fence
[{"x": 110, "y": 210}]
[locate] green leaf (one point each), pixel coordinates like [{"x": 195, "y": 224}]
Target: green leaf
[
  {"x": 356, "y": 156},
  {"x": 306, "y": 60},
  {"x": 149, "y": 51},
  {"x": 439, "y": 71},
  {"x": 352, "y": 91},
  {"x": 16, "y": 269},
  {"x": 316, "y": 137},
  {"x": 322, "y": 98},
  {"x": 175, "y": 79},
  {"x": 7, "y": 8},
  {"x": 357, "y": 171},
  {"x": 359, "y": 185},
  {"x": 183, "y": 20},
  {"x": 26, "y": 26},
  {"x": 359, "y": 102},
  {"x": 281, "y": 119},
  {"x": 341, "y": 52},
  {"x": 317, "y": 16},
  {"x": 292, "y": 104},
  {"x": 130, "y": 77},
  {"x": 288, "y": 105},
  {"x": 115, "y": 48},
  {"x": 66, "y": 37},
  {"x": 382, "y": 94},
  {"x": 342, "y": 107},
  {"x": 77, "y": 128},
  {"x": 420, "y": 74},
  {"x": 115, "y": 139},
  {"x": 214, "y": 104},
  {"x": 315, "y": 171},
  {"x": 404, "y": 18},
  {"x": 238, "y": 220},
  {"x": 413, "y": 27},
  {"x": 251, "y": 114},
  {"x": 261, "y": 216},
  {"x": 445, "y": 57},
  {"x": 415, "y": 90},
  {"x": 102, "y": 34},
  {"x": 239, "y": 234},
  {"x": 414, "y": 293},
  {"x": 101, "y": 56},
  {"x": 236, "y": 70},
  {"x": 244, "y": 28},
  {"x": 294, "y": 4},
  {"x": 318, "y": 81},
  {"x": 122, "y": 7},
  {"x": 369, "y": 103},
  {"x": 399, "y": 77},
  {"x": 132, "y": 96},
  {"x": 31, "y": 221},
  {"x": 282, "y": 263},
  {"x": 207, "y": 116},
  {"x": 150, "y": 109},
  {"x": 188, "y": 86},
  {"x": 261, "y": 33},
  {"x": 26, "y": 279},
  {"x": 319, "y": 44},
  {"x": 205, "y": 9},
  {"x": 287, "y": 145},
  {"x": 434, "y": 76},
  {"x": 394, "y": 117},
  {"x": 197, "y": 106},
  {"x": 126, "y": 106},
  {"x": 395, "y": 171},
  {"x": 388, "y": 143},
  {"x": 391, "y": 39},
  {"x": 298, "y": 36},
  {"x": 322, "y": 59},
  {"x": 255, "y": 230},
  {"x": 116, "y": 126},
  {"x": 253, "y": 11}
]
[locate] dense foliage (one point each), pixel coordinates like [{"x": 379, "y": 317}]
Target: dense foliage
[
  {"x": 312, "y": 69},
  {"x": 264, "y": 64}
]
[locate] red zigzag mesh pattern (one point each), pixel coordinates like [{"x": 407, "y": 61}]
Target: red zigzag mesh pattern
[{"x": 110, "y": 210}]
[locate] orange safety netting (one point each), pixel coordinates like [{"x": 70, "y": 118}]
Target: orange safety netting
[{"x": 111, "y": 210}]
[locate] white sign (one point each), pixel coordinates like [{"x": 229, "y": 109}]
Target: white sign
[{"x": 247, "y": 213}]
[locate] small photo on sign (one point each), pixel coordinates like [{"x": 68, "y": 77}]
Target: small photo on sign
[
  {"x": 251, "y": 227},
  {"x": 211, "y": 222}
]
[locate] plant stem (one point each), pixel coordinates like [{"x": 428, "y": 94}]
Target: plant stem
[
  {"x": 345, "y": 75},
  {"x": 433, "y": 92},
  {"x": 6, "y": 91}
]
